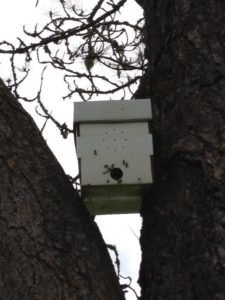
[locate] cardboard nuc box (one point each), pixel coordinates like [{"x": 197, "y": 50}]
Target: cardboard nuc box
[{"x": 114, "y": 149}]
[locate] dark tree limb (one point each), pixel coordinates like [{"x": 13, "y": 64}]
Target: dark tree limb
[
  {"x": 183, "y": 236},
  {"x": 50, "y": 248}
]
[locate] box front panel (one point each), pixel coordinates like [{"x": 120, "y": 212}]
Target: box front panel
[{"x": 116, "y": 153}]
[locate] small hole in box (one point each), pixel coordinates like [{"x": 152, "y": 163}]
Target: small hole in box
[{"x": 116, "y": 173}]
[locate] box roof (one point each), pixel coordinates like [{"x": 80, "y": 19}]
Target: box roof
[{"x": 112, "y": 111}]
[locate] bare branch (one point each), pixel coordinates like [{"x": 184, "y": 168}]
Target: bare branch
[
  {"x": 64, "y": 130},
  {"x": 59, "y": 36},
  {"x": 90, "y": 50}
]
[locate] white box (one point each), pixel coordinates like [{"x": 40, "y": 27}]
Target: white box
[{"x": 114, "y": 149}]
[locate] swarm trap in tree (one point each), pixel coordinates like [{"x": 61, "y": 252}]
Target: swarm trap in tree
[{"x": 114, "y": 148}]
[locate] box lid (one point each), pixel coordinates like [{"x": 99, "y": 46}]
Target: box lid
[{"x": 112, "y": 111}]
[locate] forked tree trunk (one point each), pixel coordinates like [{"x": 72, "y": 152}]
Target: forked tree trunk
[
  {"x": 50, "y": 249},
  {"x": 183, "y": 235}
]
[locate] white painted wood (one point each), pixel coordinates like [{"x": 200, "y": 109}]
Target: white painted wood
[
  {"x": 112, "y": 111},
  {"x": 109, "y": 142},
  {"x": 127, "y": 146}
]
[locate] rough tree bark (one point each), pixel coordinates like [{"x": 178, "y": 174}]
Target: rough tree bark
[
  {"x": 183, "y": 235},
  {"x": 50, "y": 248}
]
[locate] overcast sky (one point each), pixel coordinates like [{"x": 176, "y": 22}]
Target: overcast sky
[{"x": 121, "y": 230}]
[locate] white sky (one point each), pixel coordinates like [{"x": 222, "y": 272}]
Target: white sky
[{"x": 118, "y": 230}]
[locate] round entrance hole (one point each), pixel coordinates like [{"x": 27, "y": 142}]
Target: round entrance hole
[{"x": 116, "y": 173}]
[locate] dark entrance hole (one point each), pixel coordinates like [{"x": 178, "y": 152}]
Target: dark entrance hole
[{"x": 116, "y": 173}]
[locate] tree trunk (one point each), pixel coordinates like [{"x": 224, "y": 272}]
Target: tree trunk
[
  {"x": 50, "y": 248},
  {"x": 183, "y": 235}
]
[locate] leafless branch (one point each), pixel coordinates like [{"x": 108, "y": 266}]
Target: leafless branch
[{"x": 78, "y": 44}]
